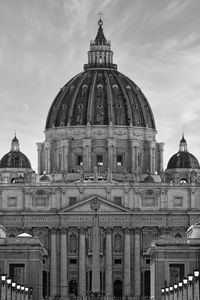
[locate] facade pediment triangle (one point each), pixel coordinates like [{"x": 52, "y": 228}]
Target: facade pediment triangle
[{"x": 95, "y": 203}]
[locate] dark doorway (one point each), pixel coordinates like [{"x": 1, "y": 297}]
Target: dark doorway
[
  {"x": 73, "y": 289},
  {"x": 118, "y": 289}
]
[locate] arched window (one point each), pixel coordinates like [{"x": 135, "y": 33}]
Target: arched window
[
  {"x": 117, "y": 243},
  {"x": 178, "y": 235},
  {"x": 183, "y": 180},
  {"x": 73, "y": 243}
]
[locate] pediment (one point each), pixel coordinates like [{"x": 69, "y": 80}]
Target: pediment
[{"x": 93, "y": 203}]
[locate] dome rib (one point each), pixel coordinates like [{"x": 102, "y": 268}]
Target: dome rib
[
  {"x": 127, "y": 106},
  {"x": 110, "y": 97},
  {"x": 72, "y": 104},
  {"x": 91, "y": 95}
]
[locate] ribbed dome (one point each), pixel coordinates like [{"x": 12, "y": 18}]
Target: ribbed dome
[
  {"x": 15, "y": 158},
  {"x": 100, "y": 95},
  {"x": 183, "y": 159}
]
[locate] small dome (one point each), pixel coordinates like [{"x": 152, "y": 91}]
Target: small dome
[
  {"x": 15, "y": 158},
  {"x": 183, "y": 159}
]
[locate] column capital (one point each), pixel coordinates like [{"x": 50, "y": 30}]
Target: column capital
[
  {"x": 82, "y": 230},
  {"x": 63, "y": 230},
  {"x": 53, "y": 230},
  {"x": 108, "y": 230},
  {"x": 127, "y": 230}
]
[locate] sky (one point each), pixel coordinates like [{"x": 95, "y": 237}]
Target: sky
[{"x": 44, "y": 43}]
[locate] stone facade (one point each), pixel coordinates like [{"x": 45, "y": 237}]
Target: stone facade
[
  {"x": 22, "y": 258},
  {"x": 101, "y": 195}
]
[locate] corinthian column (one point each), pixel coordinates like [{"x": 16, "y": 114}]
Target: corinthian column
[
  {"x": 137, "y": 265},
  {"x": 87, "y": 155},
  {"x": 40, "y": 162},
  {"x": 63, "y": 264},
  {"x": 127, "y": 264},
  {"x": 53, "y": 274},
  {"x": 95, "y": 256},
  {"x": 108, "y": 274},
  {"x": 82, "y": 271}
]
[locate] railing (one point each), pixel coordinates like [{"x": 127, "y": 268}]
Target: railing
[
  {"x": 10, "y": 290},
  {"x": 188, "y": 289}
]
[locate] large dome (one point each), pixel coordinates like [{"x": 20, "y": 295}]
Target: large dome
[{"x": 100, "y": 95}]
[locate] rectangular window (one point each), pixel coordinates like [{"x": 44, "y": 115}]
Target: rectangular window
[
  {"x": 147, "y": 261},
  {"x": 17, "y": 272},
  {"x": 73, "y": 261},
  {"x": 119, "y": 160},
  {"x": 79, "y": 160},
  {"x": 118, "y": 200},
  {"x": 176, "y": 273},
  {"x": 40, "y": 201},
  {"x": 12, "y": 201},
  {"x": 178, "y": 201},
  {"x": 148, "y": 202},
  {"x": 72, "y": 200},
  {"x": 99, "y": 160},
  {"x": 118, "y": 261}
]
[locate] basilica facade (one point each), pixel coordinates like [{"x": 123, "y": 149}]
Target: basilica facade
[{"x": 101, "y": 194}]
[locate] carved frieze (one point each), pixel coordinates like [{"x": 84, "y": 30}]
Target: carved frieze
[{"x": 149, "y": 197}]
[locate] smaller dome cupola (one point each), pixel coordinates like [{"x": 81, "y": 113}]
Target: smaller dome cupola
[
  {"x": 183, "y": 159},
  {"x": 15, "y": 159}
]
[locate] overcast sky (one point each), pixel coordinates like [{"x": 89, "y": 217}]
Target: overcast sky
[{"x": 43, "y": 43}]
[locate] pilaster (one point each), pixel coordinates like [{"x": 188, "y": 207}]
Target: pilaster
[
  {"x": 108, "y": 274},
  {"x": 63, "y": 265},
  {"x": 53, "y": 266},
  {"x": 127, "y": 264},
  {"x": 82, "y": 270},
  {"x": 137, "y": 263},
  {"x": 87, "y": 144}
]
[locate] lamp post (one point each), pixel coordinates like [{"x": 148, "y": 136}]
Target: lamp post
[
  {"x": 3, "y": 286},
  {"x": 18, "y": 292},
  {"x": 196, "y": 285},
  {"x": 180, "y": 290},
  {"x": 8, "y": 291},
  {"x": 30, "y": 293},
  {"x": 185, "y": 289},
  {"x": 167, "y": 293},
  {"x": 26, "y": 293},
  {"x": 22, "y": 292},
  {"x": 175, "y": 291},
  {"x": 171, "y": 293},
  {"x": 190, "y": 287},
  {"x": 163, "y": 294},
  {"x": 13, "y": 290}
]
